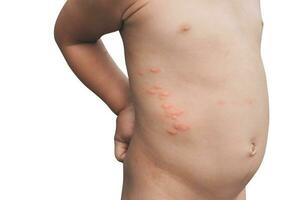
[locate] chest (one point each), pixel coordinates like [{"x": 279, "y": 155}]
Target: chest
[{"x": 197, "y": 16}]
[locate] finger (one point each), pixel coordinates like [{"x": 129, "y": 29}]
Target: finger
[{"x": 120, "y": 150}]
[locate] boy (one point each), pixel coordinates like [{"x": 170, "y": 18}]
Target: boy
[{"x": 193, "y": 116}]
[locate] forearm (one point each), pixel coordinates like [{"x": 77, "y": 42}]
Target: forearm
[
  {"x": 78, "y": 30},
  {"x": 94, "y": 67}
]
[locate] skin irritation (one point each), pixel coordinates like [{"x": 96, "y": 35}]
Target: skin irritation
[
  {"x": 178, "y": 127},
  {"x": 221, "y": 102},
  {"x": 157, "y": 90},
  {"x": 157, "y": 87},
  {"x": 151, "y": 91},
  {"x": 171, "y": 112},
  {"x": 140, "y": 72},
  {"x": 181, "y": 126},
  {"x": 172, "y": 131},
  {"x": 166, "y": 105},
  {"x": 155, "y": 70},
  {"x": 163, "y": 94}
]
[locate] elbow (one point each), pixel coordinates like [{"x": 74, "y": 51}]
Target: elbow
[
  {"x": 63, "y": 37},
  {"x": 58, "y": 33},
  {"x": 59, "y": 29}
]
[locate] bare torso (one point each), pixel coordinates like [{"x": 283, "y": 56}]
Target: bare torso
[
  {"x": 192, "y": 120},
  {"x": 200, "y": 97}
]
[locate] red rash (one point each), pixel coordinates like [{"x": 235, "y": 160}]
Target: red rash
[
  {"x": 140, "y": 72},
  {"x": 181, "y": 126},
  {"x": 172, "y": 131},
  {"x": 151, "y": 91},
  {"x": 171, "y": 111},
  {"x": 163, "y": 94},
  {"x": 155, "y": 70},
  {"x": 166, "y": 106}
]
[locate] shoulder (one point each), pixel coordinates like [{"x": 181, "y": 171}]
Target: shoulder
[
  {"x": 101, "y": 7},
  {"x": 117, "y": 6},
  {"x": 88, "y": 20}
]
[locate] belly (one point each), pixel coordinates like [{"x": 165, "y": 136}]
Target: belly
[
  {"x": 204, "y": 121},
  {"x": 201, "y": 100}
]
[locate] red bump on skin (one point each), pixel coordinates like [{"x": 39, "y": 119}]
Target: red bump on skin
[
  {"x": 166, "y": 105},
  {"x": 181, "y": 126},
  {"x": 151, "y": 91},
  {"x": 221, "y": 102},
  {"x": 157, "y": 87},
  {"x": 172, "y": 131},
  {"x": 164, "y": 94},
  {"x": 140, "y": 72},
  {"x": 155, "y": 70},
  {"x": 176, "y": 111},
  {"x": 173, "y": 114},
  {"x": 174, "y": 117}
]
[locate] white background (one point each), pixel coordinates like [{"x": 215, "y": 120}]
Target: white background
[{"x": 56, "y": 137}]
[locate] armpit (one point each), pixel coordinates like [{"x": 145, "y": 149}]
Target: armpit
[{"x": 134, "y": 8}]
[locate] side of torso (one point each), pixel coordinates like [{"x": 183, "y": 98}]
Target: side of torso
[{"x": 198, "y": 83}]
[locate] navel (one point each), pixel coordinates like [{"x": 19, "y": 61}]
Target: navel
[{"x": 252, "y": 149}]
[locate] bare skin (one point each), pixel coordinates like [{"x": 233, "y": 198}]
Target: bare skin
[{"x": 193, "y": 117}]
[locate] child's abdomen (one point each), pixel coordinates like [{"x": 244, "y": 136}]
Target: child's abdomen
[
  {"x": 210, "y": 133},
  {"x": 200, "y": 95}
]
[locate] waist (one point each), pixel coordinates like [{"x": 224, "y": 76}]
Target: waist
[
  {"x": 201, "y": 122},
  {"x": 216, "y": 114},
  {"x": 219, "y": 134}
]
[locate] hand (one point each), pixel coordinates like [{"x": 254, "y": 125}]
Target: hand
[{"x": 124, "y": 132}]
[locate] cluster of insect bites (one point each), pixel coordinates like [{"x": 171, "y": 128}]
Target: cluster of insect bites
[
  {"x": 173, "y": 113},
  {"x": 170, "y": 111}
]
